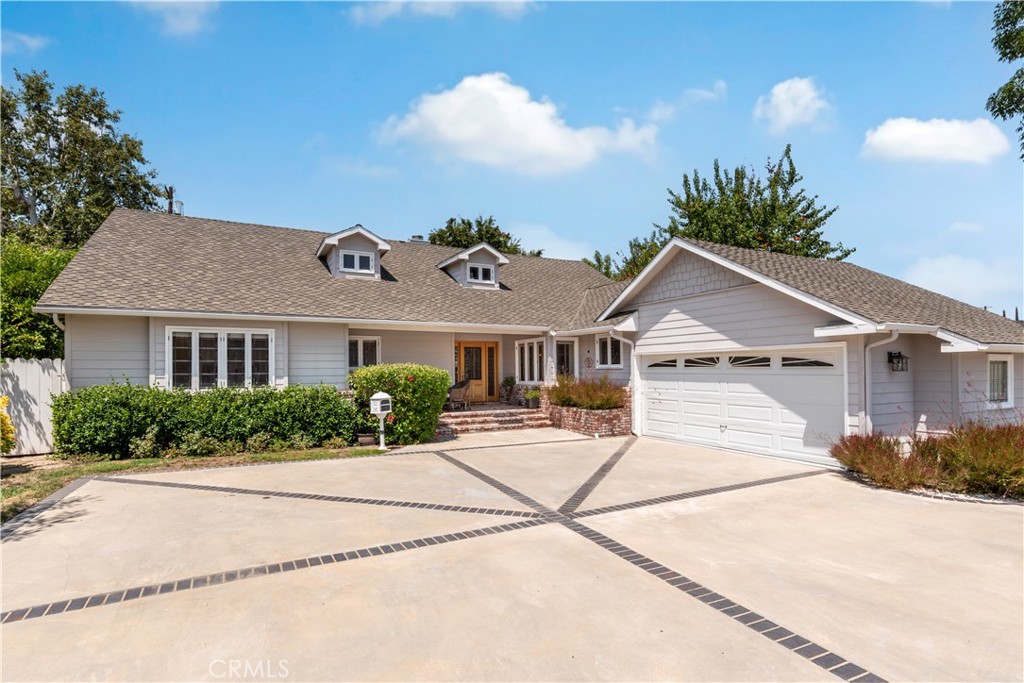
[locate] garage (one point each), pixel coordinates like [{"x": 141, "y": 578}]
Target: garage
[{"x": 788, "y": 403}]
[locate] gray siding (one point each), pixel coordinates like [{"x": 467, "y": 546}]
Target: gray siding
[
  {"x": 158, "y": 342},
  {"x": 428, "y": 348},
  {"x": 973, "y": 382},
  {"x": 588, "y": 349},
  {"x": 751, "y": 316},
  {"x": 104, "y": 349},
  {"x": 892, "y": 393},
  {"x": 317, "y": 354},
  {"x": 689, "y": 274},
  {"x": 353, "y": 243},
  {"x": 934, "y": 384},
  {"x": 459, "y": 270}
]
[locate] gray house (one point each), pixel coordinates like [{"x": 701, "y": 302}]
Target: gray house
[{"x": 729, "y": 347}]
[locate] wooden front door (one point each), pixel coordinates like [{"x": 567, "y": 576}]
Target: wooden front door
[{"x": 478, "y": 362}]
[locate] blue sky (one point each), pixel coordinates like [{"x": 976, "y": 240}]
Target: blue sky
[{"x": 566, "y": 121}]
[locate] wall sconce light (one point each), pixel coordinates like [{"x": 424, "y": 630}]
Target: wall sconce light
[{"x": 898, "y": 362}]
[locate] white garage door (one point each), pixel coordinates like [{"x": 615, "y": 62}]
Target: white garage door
[{"x": 779, "y": 403}]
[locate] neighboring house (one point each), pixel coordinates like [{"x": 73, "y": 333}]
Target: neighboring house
[{"x": 737, "y": 348}]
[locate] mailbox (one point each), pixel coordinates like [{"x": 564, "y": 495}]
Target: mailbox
[{"x": 380, "y": 403}]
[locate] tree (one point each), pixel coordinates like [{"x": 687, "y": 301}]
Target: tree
[
  {"x": 1008, "y": 101},
  {"x": 740, "y": 209},
  {"x": 65, "y": 166},
  {"x": 462, "y": 233},
  {"x": 26, "y": 270}
]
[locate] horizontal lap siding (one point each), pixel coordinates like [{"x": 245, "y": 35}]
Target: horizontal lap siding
[
  {"x": 588, "y": 349},
  {"x": 974, "y": 388},
  {"x": 934, "y": 398},
  {"x": 734, "y": 318},
  {"x": 892, "y": 393},
  {"x": 427, "y": 348},
  {"x": 317, "y": 354},
  {"x": 106, "y": 348}
]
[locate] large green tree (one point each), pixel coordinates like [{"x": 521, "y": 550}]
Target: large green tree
[
  {"x": 26, "y": 270},
  {"x": 1007, "y": 102},
  {"x": 462, "y": 233},
  {"x": 738, "y": 208},
  {"x": 65, "y": 165}
]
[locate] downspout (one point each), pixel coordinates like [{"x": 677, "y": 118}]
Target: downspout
[
  {"x": 632, "y": 378},
  {"x": 57, "y": 322},
  {"x": 867, "y": 427}
]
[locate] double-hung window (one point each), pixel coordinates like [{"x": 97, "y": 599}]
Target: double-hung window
[
  {"x": 1000, "y": 381},
  {"x": 356, "y": 262},
  {"x": 530, "y": 361},
  {"x": 609, "y": 352},
  {"x": 481, "y": 274},
  {"x": 202, "y": 358},
  {"x": 363, "y": 351}
]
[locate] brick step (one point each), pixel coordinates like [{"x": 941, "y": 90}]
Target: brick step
[
  {"x": 463, "y": 416},
  {"x": 491, "y": 421},
  {"x": 495, "y": 420}
]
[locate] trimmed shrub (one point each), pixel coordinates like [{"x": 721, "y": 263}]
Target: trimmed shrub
[
  {"x": 116, "y": 420},
  {"x": 592, "y": 394},
  {"x": 418, "y": 394}
]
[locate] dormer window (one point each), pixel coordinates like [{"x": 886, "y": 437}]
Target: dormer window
[
  {"x": 481, "y": 273},
  {"x": 357, "y": 262}
]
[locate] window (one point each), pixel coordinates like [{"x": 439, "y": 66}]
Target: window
[
  {"x": 800, "y": 362},
  {"x": 1000, "y": 381},
  {"x": 363, "y": 351},
  {"x": 478, "y": 272},
  {"x": 609, "y": 352},
  {"x": 664, "y": 364},
  {"x": 206, "y": 358},
  {"x": 750, "y": 361},
  {"x": 530, "y": 361},
  {"x": 356, "y": 262},
  {"x": 701, "y": 362}
]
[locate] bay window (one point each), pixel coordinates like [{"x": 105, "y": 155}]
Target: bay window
[
  {"x": 203, "y": 358},
  {"x": 530, "y": 361}
]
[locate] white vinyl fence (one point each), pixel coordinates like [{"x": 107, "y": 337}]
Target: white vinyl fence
[{"x": 29, "y": 384}]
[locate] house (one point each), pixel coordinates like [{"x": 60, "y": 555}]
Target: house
[{"x": 737, "y": 348}]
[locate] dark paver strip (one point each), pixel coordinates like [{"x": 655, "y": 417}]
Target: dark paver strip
[
  {"x": 25, "y": 517},
  {"x": 504, "y": 488},
  {"x": 576, "y": 499},
  {"x": 309, "y": 496},
  {"x": 697, "y": 494},
  {"x": 197, "y": 582}
]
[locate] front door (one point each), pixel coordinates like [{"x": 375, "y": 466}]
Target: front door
[{"x": 478, "y": 362}]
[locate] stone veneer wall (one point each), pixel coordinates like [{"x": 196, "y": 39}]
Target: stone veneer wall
[{"x": 614, "y": 422}]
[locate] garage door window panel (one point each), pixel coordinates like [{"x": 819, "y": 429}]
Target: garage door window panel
[
  {"x": 750, "y": 361},
  {"x": 701, "y": 362}
]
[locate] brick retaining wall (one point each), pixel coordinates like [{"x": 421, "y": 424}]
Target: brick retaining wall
[{"x": 614, "y": 422}]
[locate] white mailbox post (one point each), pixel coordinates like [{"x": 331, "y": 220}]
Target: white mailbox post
[{"x": 380, "y": 405}]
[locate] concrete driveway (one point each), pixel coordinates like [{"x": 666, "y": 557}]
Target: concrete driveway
[{"x": 535, "y": 555}]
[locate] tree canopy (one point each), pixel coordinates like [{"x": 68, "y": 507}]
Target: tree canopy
[
  {"x": 65, "y": 165},
  {"x": 462, "y": 233},
  {"x": 1007, "y": 102},
  {"x": 738, "y": 208},
  {"x": 26, "y": 270}
]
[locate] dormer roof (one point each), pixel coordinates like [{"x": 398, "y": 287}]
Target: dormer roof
[
  {"x": 333, "y": 240},
  {"x": 465, "y": 255}
]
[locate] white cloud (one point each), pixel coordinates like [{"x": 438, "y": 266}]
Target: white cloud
[
  {"x": 181, "y": 18},
  {"x": 489, "y": 120},
  {"x": 666, "y": 111},
  {"x": 540, "y": 236},
  {"x": 796, "y": 102},
  {"x": 965, "y": 226},
  {"x": 978, "y": 141},
  {"x": 13, "y": 43},
  {"x": 980, "y": 283},
  {"x": 375, "y": 13}
]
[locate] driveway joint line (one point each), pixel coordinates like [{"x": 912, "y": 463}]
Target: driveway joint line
[
  {"x": 117, "y": 596},
  {"x": 675, "y": 497},
  {"x": 576, "y": 499},
  {"x": 25, "y": 517},
  {"x": 515, "y": 495},
  {"x": 441, "y": 507}
]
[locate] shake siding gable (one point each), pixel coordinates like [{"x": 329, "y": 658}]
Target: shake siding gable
[{"x": 689, "y": 274}]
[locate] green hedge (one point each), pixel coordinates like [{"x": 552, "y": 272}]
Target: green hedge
[
  {"x": 104, "y": 419},
  {"x": 418, "y": 394}
]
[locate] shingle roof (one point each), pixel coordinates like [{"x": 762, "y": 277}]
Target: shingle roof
[
  {"x": 874, "y": 296},
  {"x": 153, "y": 261}
]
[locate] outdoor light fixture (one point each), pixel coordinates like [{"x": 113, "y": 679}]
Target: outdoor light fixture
[{"x": 898, "y": 362}]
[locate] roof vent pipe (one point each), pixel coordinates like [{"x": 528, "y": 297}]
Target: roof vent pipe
[{"x": 417, "y": 238}]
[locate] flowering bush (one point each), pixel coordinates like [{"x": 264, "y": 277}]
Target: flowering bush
[
  {"x": 418, "y": 393},
  {"x": 7, "y": 438}
]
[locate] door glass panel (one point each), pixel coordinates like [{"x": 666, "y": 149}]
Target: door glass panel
[
  {"x": 236, "y": 360},
  {"x": 522, "y": 363},
  {"x": 472, "y": 363},
  {"x": 207, "y": 360},
  {"x": 566, "y": 359},
  {"x": 353, "y": 353},
  {"x": 529, "y": 363},
  {"x": 540, "y": 362},
  {"x": 260, "y": 359},
  {"x": 492, "y": 370},
  {"x": 181, "y": 360}
]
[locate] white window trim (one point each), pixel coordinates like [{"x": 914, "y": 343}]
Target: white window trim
[
  {"x": 222, "y": 354},
  {"x": 361, "y": 339},
  {"x": 575, "y": 353},
  {"x": 609, "y": 339},
  {"x": 356, "y": 254},
  {"x": 480, "y": 280},
  {"x": 1008, "y": 359},
  {"x": 538, "y": 370}
]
